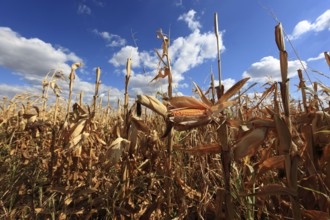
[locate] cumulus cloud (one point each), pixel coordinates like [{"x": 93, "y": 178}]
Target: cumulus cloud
[
  {"x": 227, "y": 83},
  {"x": 189, "y": 18},
  {"x": 319, "y": 57},
  {"x": 32, "y": 58},
  {"x": 193, "y": 50},
  {"x": 12, "y": 90},
  {"x": 143, "y": 59},
  {"x": 112, "y": 40},
  {"x": 84, "y": 9},
  {"x": 320, "y": 24},
  {"x": 186, "y": 52},
  {"x": 268, "y": 68}
]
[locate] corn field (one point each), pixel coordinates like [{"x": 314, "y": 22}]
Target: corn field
[{"x": 223, "y": 155}]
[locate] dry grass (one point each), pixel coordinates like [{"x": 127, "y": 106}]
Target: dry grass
[{"x": 231, "y": 158}]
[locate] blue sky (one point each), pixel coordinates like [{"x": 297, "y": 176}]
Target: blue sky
[{"x": 39, "y": 35}]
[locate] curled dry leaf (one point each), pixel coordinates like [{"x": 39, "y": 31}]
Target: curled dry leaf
[
  {"x": 271, "y": 163},
  {"x": 261, "y": 122},
  {"x": 221, "y": 106},
  {"x": 76, "y": 65},
  {"x": 140, "y": 125},
  {"x": 249, "y": 143},
  {"x": 161, "y": 74},
  {"x": 283, "y": 134},
  {"x": 152, "y": 103},
  {"x": 116, "y": 149}
]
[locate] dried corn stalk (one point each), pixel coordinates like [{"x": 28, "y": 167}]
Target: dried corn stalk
[
  {"x": 97, "y": 85},
  {"x": 71, "y": 78}
]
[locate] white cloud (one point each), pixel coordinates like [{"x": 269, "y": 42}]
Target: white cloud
[
  {"x": 112, "y": 40},
  {"x": 140, "y": 84},
  {"x": 189, "y": 18},
  {"x": 120, "y": 58},
  {"x": 143, "y": 59},
  {"x": 320, "y": 24},
  {"x": 11, "y": 90},
  {"x": 319, "y": 57},
  {"x": 32, "y": 58},
  {"x": 191, "y": 51},
  {"x": 268, "y": 68},
  {"x": 84, "y": 9},
  {"x": 227, "y": 83},
  {"x": 185, "y": 52}
]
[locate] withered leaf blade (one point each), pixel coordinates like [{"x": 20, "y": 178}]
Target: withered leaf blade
[
  {"x": 160, "y": 57},
  {"x": 284, "y": 135},
  {"x": 221, "y": 106},
  {"x": 271, "y": 163},
  {"x": 273, "y": 189},
  {"x": 203, "y": 97},
  {"x": 201, "y": 149},
  {"x": 262, "y": 122},
  {"x": 159, "y": 75},
  {"x": 250, "y": 143},
  {"x": 140, "y": 125},
  {"x": 233, "y": 90},
  {"x": 266, "y": 93}
]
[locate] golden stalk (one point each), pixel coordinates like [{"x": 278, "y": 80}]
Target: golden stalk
[
  {"x": 302, "y": 86},
  {"x": 97, "y": 85},
  {"x": 108, "y": 105},
  {"x": 127, "y": 77},
  {"x": 71, "y": 78},
  {"x": 170, "y": 136},
  {"x": 56, "y": 108},
  {"x": 316, "y": 98},
  {"x": 81, "y": 98},
  {"x": 285, "y": 133},
  {"x": 212, "y": 87},
  {"x": 223, "y": 135},
  {"x": 216, "y": 31},
  {"x": 168, "y": 73}
]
